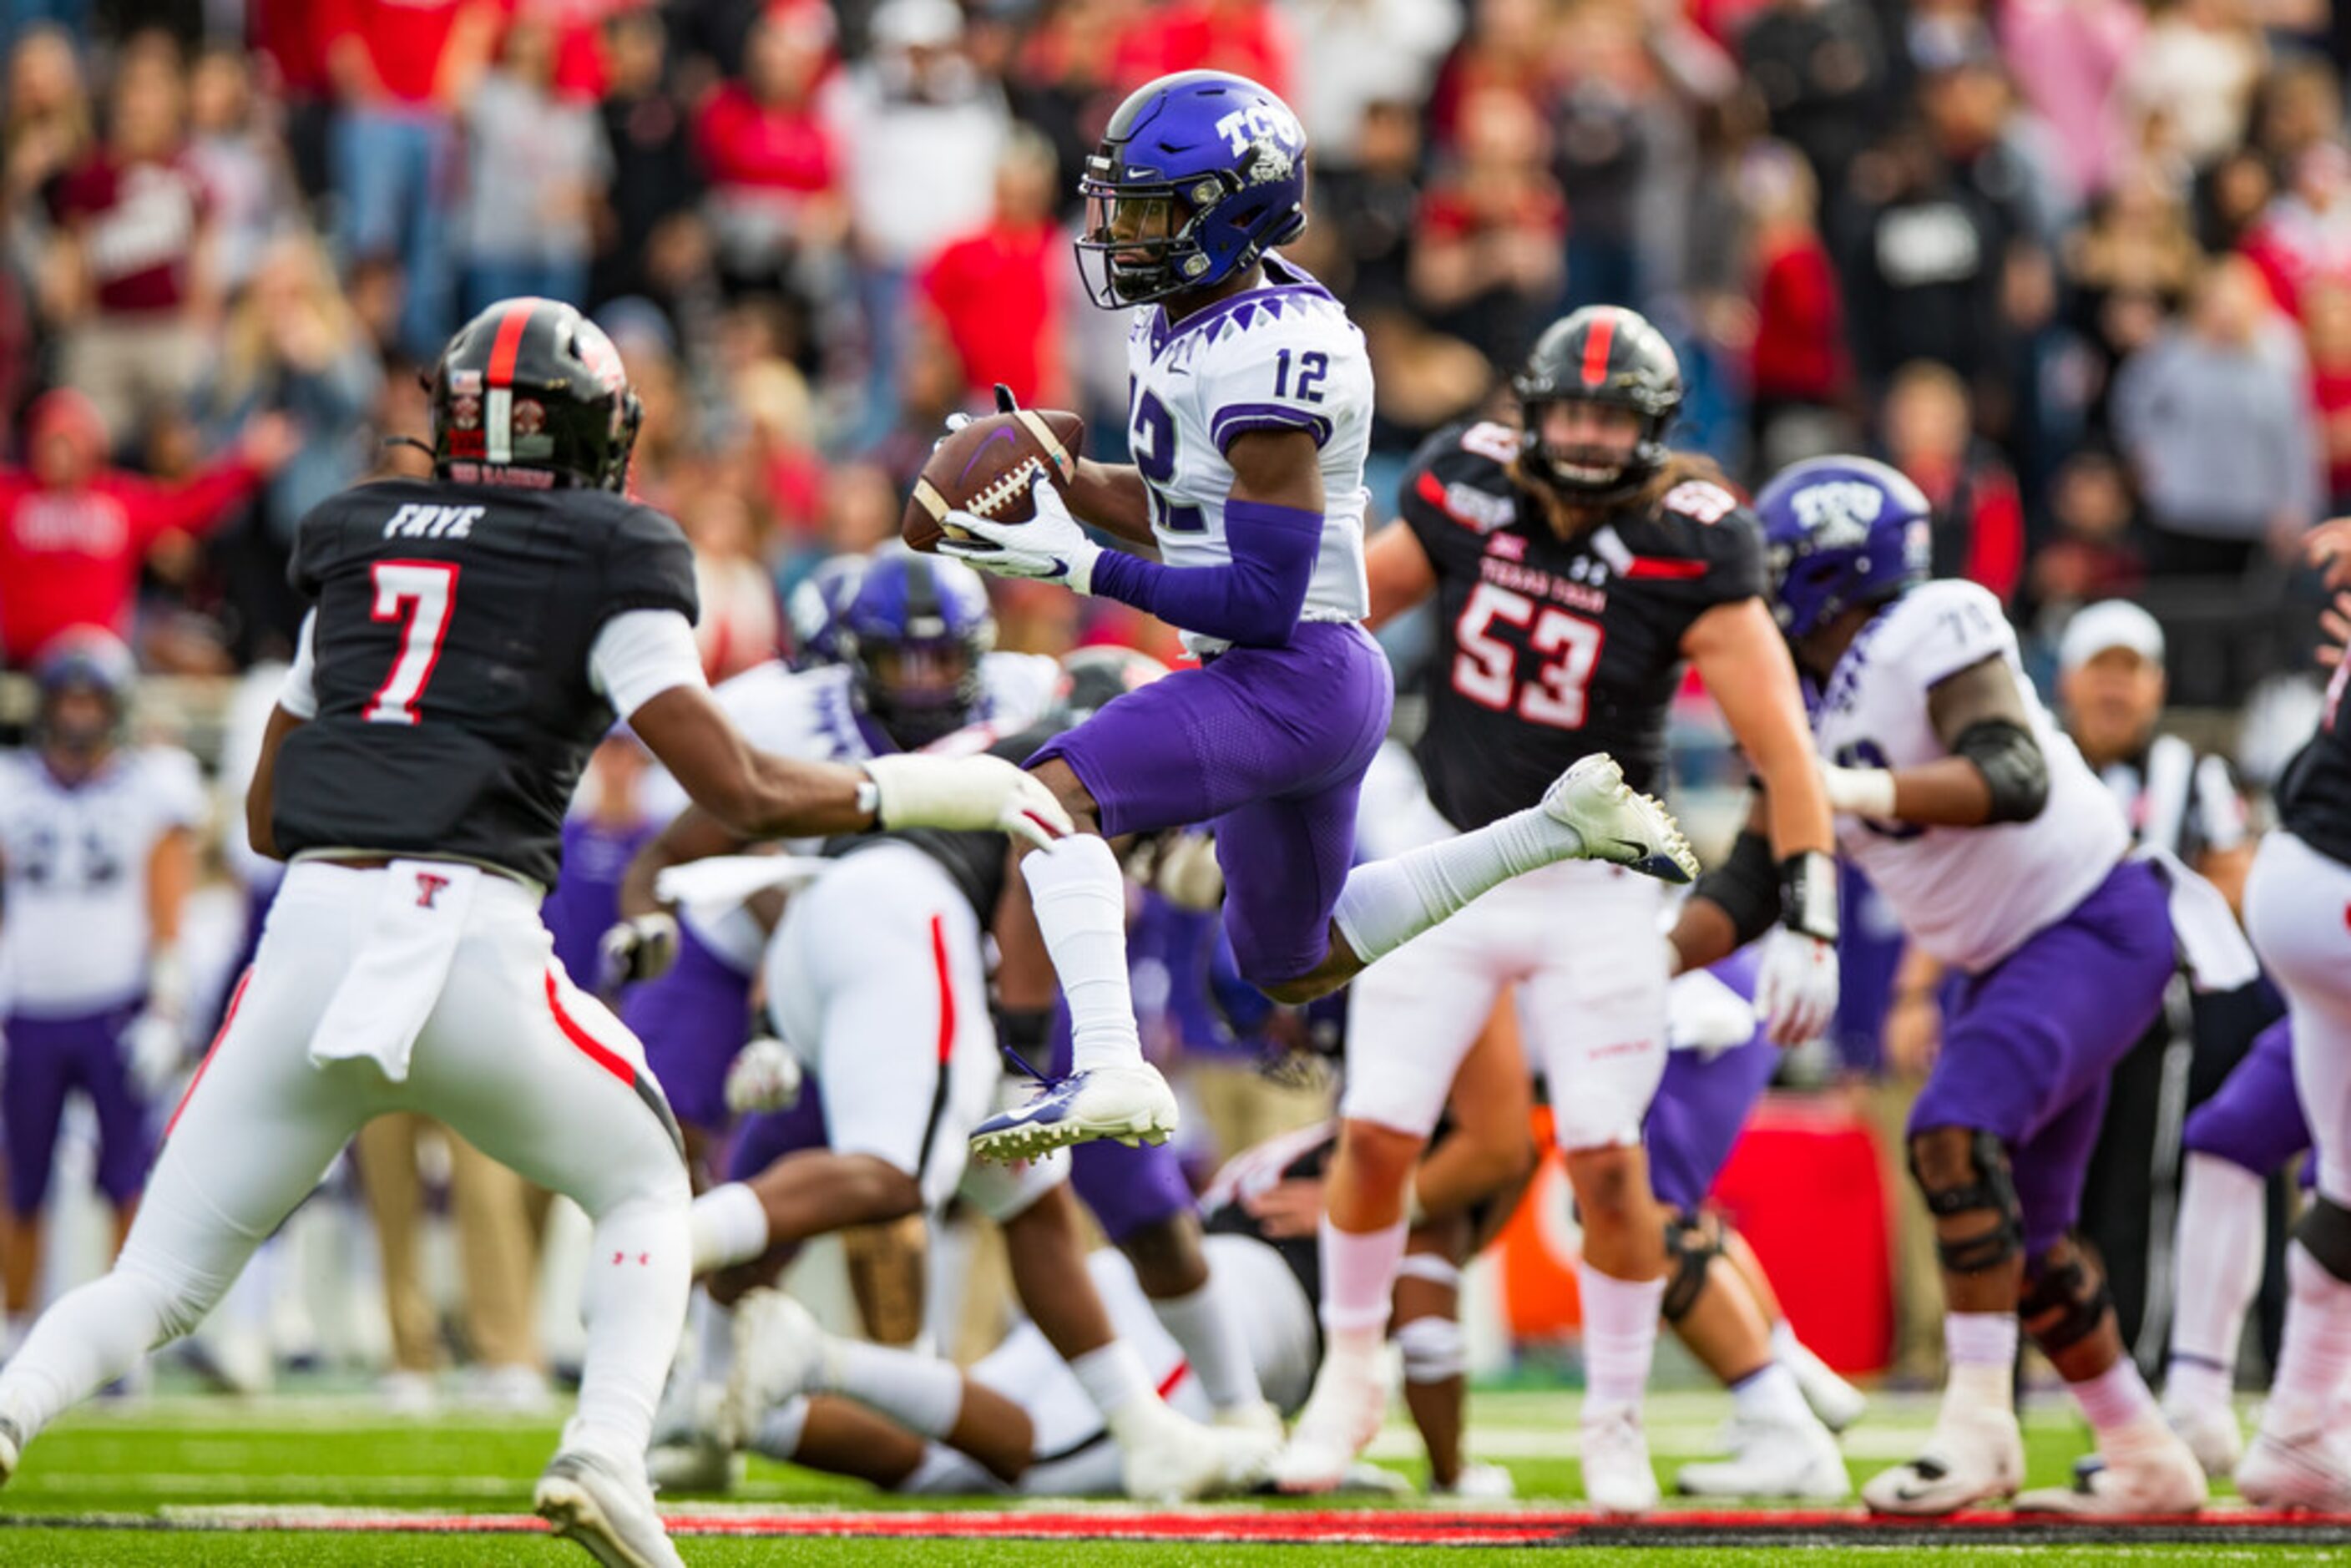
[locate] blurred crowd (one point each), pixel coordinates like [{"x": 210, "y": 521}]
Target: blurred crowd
[{"x": 2081, "y": 267}]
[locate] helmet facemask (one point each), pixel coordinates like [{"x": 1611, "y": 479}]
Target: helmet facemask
[
  {"x": 1145, "y": 233},
  {"x": 921, "y": 689}
]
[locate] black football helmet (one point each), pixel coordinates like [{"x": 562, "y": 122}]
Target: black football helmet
[
  {"x": 532, "y": 392},
  {"x": 1606, "y": 354}
]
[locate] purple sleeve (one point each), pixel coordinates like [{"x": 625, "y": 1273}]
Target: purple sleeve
[{"x": 1252, "y": 601}]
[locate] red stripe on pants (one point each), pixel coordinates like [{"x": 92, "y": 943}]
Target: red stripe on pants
[
  {"x": 1167, "y": 1384},
  {"x": 602, "y": 1055},
  {"x": 946, "y": 990},
  {"x": 219, "y": 1035}
]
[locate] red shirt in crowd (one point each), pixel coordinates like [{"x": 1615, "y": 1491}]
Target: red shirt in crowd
[
  {"x": 995, "y": 291},
  {"x": 1979, "y": 521},
  {"x": 750, "y": 145},
  {"x": 405, "y": 39},
  {"x": 2330, "y": 396},
  {"x": 71, "y": 558},
  {"x": 1799, "y": 353},
  {"x": 1247, "y": 36},
  {"x": 138, "y": 225}
]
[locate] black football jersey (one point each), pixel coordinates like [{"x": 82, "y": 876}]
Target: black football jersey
[
  {"x": 451, "y": 663},
  {"x": 1552, "y": 649},
  {"x": 2313, "y": 797}
]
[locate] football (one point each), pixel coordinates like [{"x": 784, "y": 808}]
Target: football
[{"x": 987, "y": 467}]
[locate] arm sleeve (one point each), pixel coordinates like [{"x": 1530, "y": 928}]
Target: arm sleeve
[
  {"x": 197, "y": 506},
  {"x": 1252, "y": 601},
  {"x": 640, "y": 653},
  {"x": 300, "y": 695}
]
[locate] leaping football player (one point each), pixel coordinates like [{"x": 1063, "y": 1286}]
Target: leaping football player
[
  {"x": 1249, "y": 415},
  {"x": 1578, "y": 563},
  {"x": 472, "y": 638}
]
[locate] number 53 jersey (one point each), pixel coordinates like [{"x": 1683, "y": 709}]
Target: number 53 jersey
[
  {"x": 1283, "y": 357},
  {"x": 1552, "y": 649},
  {"x": 451, "y": 663}
]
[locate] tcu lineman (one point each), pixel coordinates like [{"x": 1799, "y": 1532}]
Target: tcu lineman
[
  {"x": 2004, "y": 858},
  {"x": 98, "y": 843},
  {"x": 1577, "y": 563},
  {"x": 472, "y": 638},
  {"x": 1249, "y": 415}
]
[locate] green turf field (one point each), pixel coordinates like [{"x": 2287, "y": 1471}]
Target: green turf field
[{"x": 122, "y": 1474}]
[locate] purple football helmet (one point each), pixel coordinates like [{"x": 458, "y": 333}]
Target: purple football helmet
[
  {"x": 1841, "y": 531},
  {"x": 1198, "y": 174},
  {"x": 814, "y": 609},
  {"x": 913, "y": 635}
]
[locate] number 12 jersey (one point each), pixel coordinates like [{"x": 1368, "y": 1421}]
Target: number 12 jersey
[{"x": 1553, "y": 648}]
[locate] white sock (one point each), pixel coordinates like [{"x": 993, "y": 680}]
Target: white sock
[
  {"x": 713, "y": 1337},
  {"x": 88, "y": 1338},
  {"x": 1080, "y": 901},
  {"x": 728, "y": 1226},
  {"x": 779, "y": 1432},
  {"x": 1772, "y": 1395},
  {"x": 1359, "y": 1271},
  {"x": 634, "y": 1310},
  {"x": 1620, "y": 1336},
  {"x": 2116, "y": 1401},
  {"x": 1982, "y": 1351},
  {"x": 1115, "y": 1379},
  {"x": 920, "y": 1393},
  {"x": 2215, "y": 1276},
  {"x": 2316, "y": 1359},
  {"x": 1213, "y": 1343},
  {"x": 1388, "y": 902}
]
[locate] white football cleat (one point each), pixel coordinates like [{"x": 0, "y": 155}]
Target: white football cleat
[
  {"x": 2143, "y": 1480},
  {"x": 1970, "y": 1456},
  {"x": 1481, "y": 1482},
  {"x": 12, "y": 1449},
  {"x": 1253, "y": 1436},
  {"x": 2312, "y": 1472},
  {"x": 1773, "y": 1458},
  {"x": 1169, "y": 1458},
  {"x": 2211, "y": 1433},
  {"x": 692, "y": 1456},
  {"x": 1837, "y": 1403},
  {"x": 589, "y": 1501},
  {"x": 1617, "y": 1476},
  {"x": 1340, "y": 1418},
  {"x": 1129, "y": 1104},
  {"x": 778, "y": 1347},
  {"x": 1618, "y": 823}
]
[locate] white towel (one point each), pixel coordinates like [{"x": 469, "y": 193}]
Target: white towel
[
  {"x": 2211, "y": 944},
  {"x": 719, "y": 884},
  {"x": 403, "y": 961},
  {"x": 1704, "y": 1014}
]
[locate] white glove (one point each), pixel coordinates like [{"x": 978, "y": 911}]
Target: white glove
[
  {"x": 765, "y": 1076},
  {"x": 152, "y": 1048},
  {"x": 1797, "y": 986},
  {"x": 1049, "y": 547},
  {"x": 639, "y": 949},
  {"x": 968, "y": 794}
]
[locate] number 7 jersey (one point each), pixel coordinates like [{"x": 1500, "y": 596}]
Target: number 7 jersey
[
  {"x": 451, "y": 663},
  {"x": 1281, "y": 357},
  {"x": 1552, "y": 649}
]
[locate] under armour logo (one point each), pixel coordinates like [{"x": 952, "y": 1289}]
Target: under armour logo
[{"x": 428, "y": 888}]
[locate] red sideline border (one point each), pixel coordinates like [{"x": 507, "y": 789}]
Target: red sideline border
[{"x": 1527, "y": 1527}]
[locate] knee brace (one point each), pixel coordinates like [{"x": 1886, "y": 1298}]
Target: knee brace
[
  {"x": 1432, "y": 1350},
  {"x": 1983, "y": 1188},
  {"x": 2325, "y": 1233},
  {"x": 1692, "y": 1244},
  {"x": 2065, "y": 1298}
]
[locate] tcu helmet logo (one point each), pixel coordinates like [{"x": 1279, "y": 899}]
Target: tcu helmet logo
[
  {"x": 428, "y": 888},
  {"x": 1838, "y": 514},
  {"x": 1274, "y": 129}
]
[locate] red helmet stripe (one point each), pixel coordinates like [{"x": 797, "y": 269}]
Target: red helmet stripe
[
  {"x": 507, "y": 347},
  {"x": 1603, "y": 338}
]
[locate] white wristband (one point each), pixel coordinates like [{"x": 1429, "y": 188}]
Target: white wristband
[{"x": 1861, "y": 792}]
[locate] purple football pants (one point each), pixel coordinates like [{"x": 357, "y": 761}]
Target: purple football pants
[
  {"x": 692, "y": 1020},
  {"x": 2030, "y": 1042},
  {"x": 1269, "y": 747},
  {"x": 46, "y": 1058},
  {"x": 2254, "y": 1119}
]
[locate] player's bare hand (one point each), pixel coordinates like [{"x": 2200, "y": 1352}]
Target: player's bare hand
[
  {"x": 2328, "y": 547},
  {"x": 1913, "y": 1034},
  {"x": 270, "y": 442},
  {"x": 1796, "y": 986},
  {"x": 1049, "y": 547},
  {"x": 641, "y": 948},
  {"x": 968, "y": 794},
  {"x": 1287, "y": 1209},
  {"x": 2335, "y": 622}
]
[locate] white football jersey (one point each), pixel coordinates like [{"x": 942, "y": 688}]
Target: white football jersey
[
  {"x": 74, "y": 937},
  {"x": 1969, "y": 896},
  {"x": 811, "y": 715},
  {"x": 1281, "y": 357}
]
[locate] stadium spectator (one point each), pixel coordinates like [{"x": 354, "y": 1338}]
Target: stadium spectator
[
  {"x": 2215, "y": 417},
  {"x": 775, "y": 167},
  {"x": 45, "y": 129},
  {"x": 1249, "y": 37},
  {"x": 240, "y": 162},
  {"x": 537, "y": 170},
  {"x": 1923, "y": 266},
  {"x": 741, "y": 623},
  {"x": 2192, "y": 79},
  {"x": 1604, "y": 119},
  {"x": 1489, "y": 256},
  {"x": 2303, "y": 238},
  {"x": 1358, "y": 55},
  {"x": 1507, "y": 49},
  {"x": 2068, "y": 58},
  {"x": 1821, "y": 69},
  {"x": 2326, "y": 336},
  {"x": 1979, "y": 516},
  {"x": 1000, "y": 291},
  {"x": 656, "y": 177},
  {"x": 129, "y": 286},
  {"x": 399, "y": 68},
  {"x": 1798, "y": 370},
  {"x": 73, "y": 530},
  {"x": 2093, "y": 552},
  {"x": 2128, "y": 267}
]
